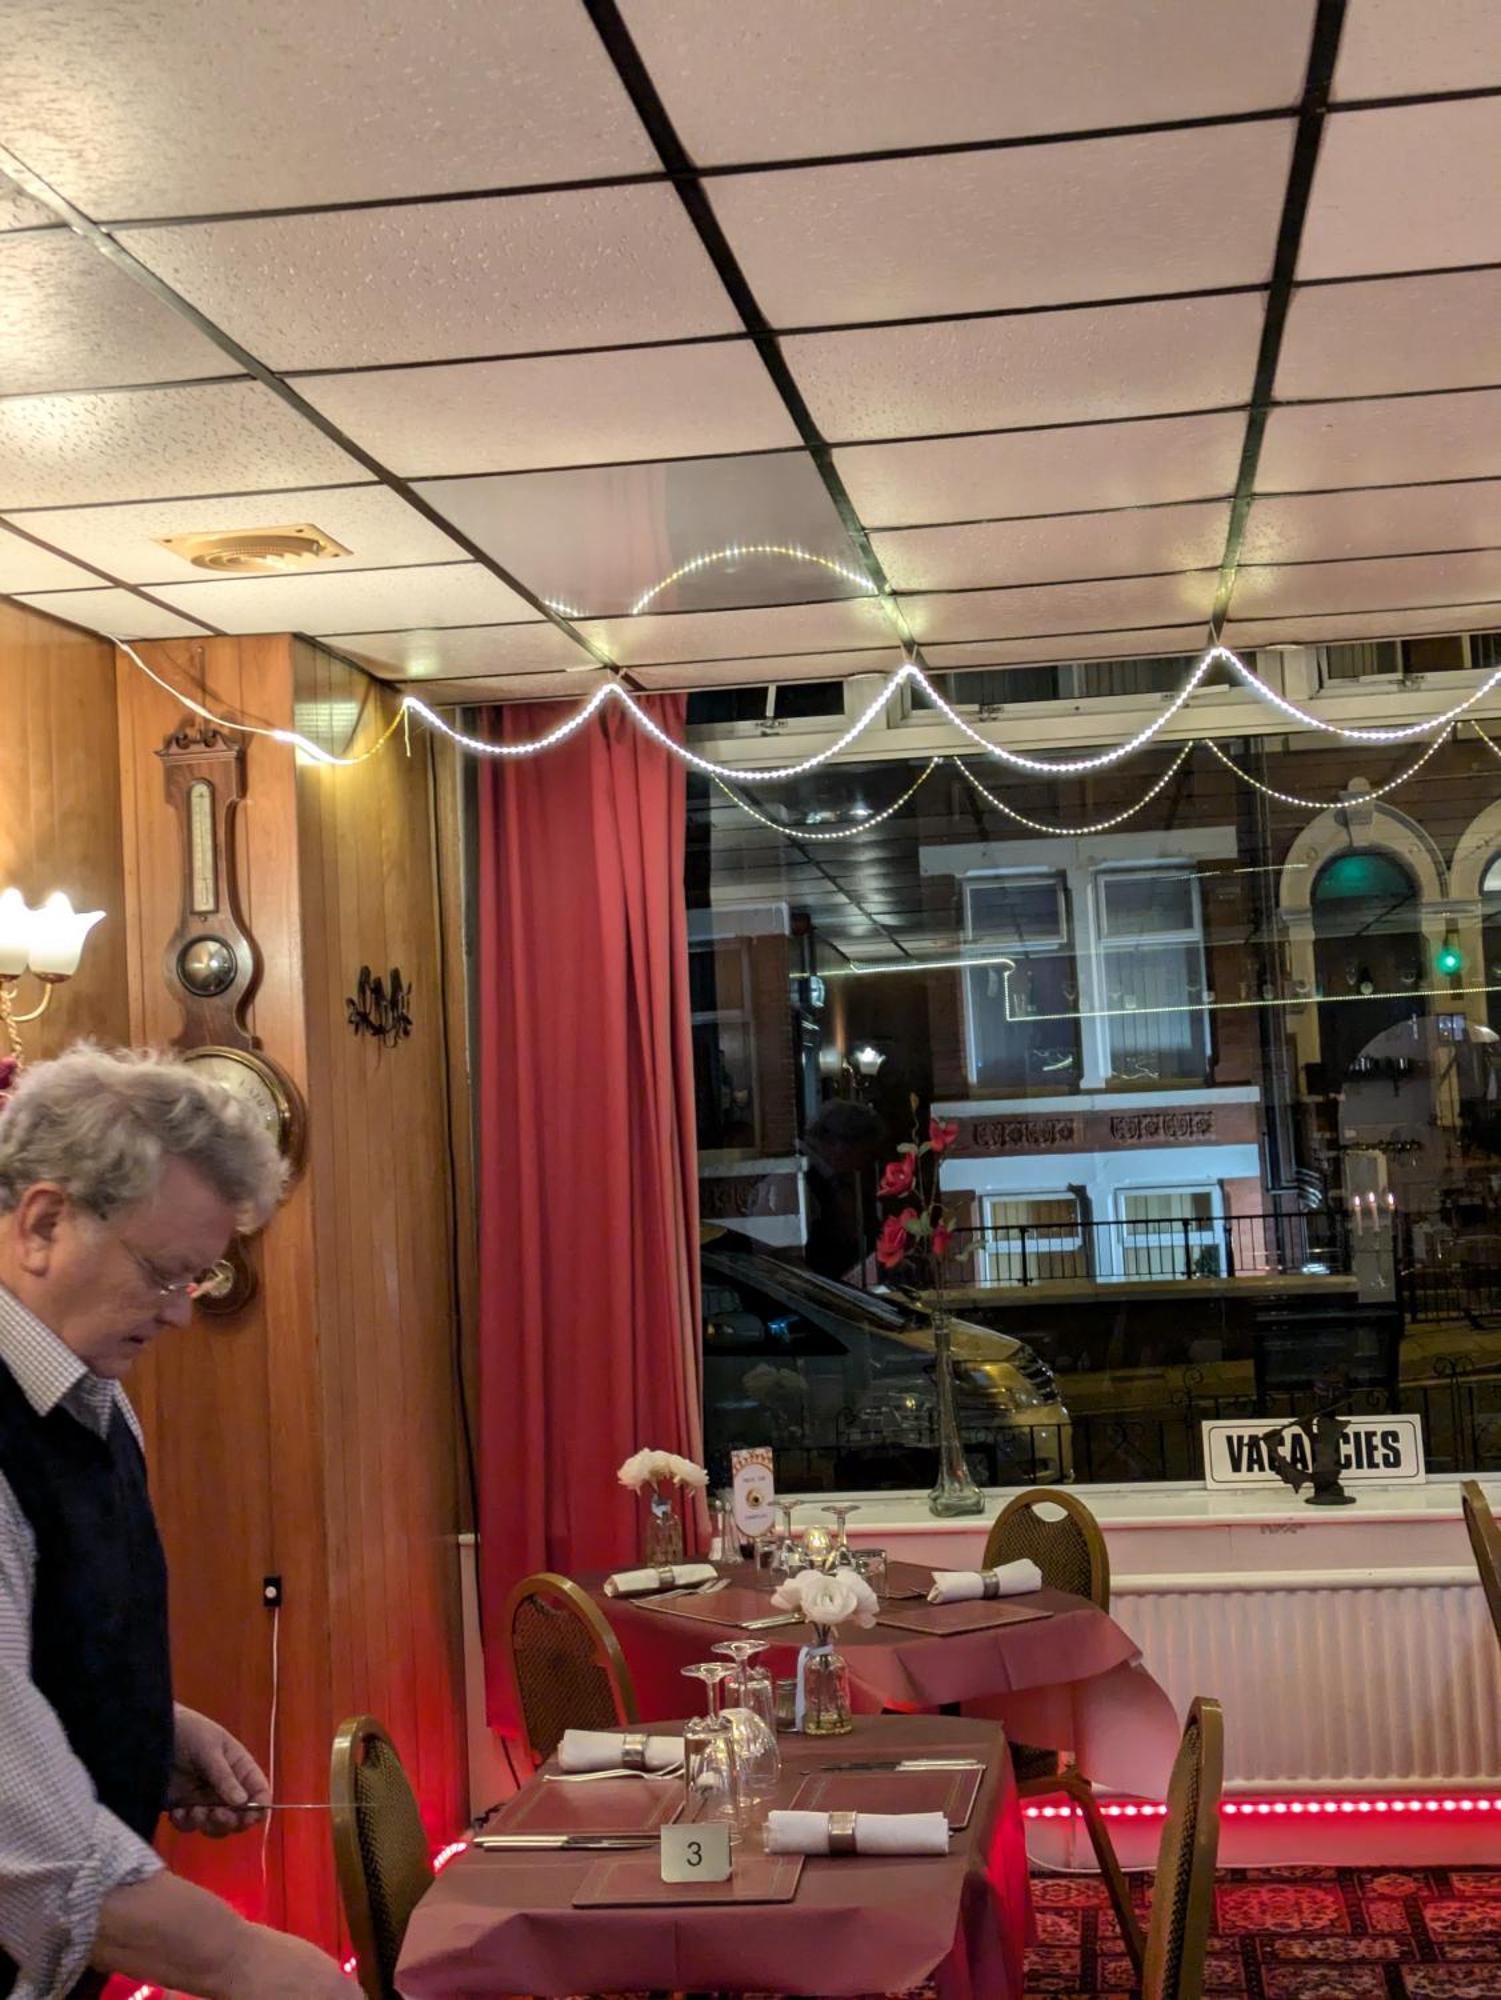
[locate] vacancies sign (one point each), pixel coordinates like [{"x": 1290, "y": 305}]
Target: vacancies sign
[{"x": 1375, "y": 1451}]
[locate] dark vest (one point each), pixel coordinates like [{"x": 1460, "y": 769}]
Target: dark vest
[{"x": 99, "y": 1649}]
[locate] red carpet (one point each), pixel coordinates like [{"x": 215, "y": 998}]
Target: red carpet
[{"x": 1295, "y": 1934}]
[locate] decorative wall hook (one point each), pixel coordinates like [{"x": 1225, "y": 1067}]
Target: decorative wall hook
[{"x": 382, "y": 1009}]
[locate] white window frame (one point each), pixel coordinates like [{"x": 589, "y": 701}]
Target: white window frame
[
  {"x": 985, "y": 948},
  {"x": 993, "y": 1258},
  {"x": 1207, "y": 1235},
  {"x": 1101, "y": 945}
]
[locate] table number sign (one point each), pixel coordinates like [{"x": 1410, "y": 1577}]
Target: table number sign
[
  {"x": 753, "y": 1485},
  {"x": 1385, "y": 1451},
  {"x": 696, "y": 1852}
]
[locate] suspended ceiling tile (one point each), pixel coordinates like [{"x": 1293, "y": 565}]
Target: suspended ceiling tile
[
  {"x": 1062, "y": 607},
  {"x": 460, "y": 651},
  {"x": 1374, "y": 338},
  {"x": 1381, "y": 441},
  {"x": 447, "y": 594},
  {"x": 570, "y": 688},
  {"x": 70, "y": 320},
  {"x": 374, "y": 525},
  {"x": 23, "y": 567},
  {"x": 119, "y": 614},
  {"x": 1059, "y": 549},
  {"x": 1407, "y": 188},
  {"x": 57, "y": 451},
  {"x": 595, "y": 267},
  {"x": 1406, "y": 582},
  {"x": 350, "y": 100},
  {"x": 19, "y": 211},
  {"x": 1043, "y": 472},
  {"x": 1406, "y": 48},
  {"x": 888, "y": 239},
  {"x": 1154, "y": 642},
  {"x": 1037, "y": 368},
  {"x": 572, "y": 409},
  {"x": 723, "y": 635},
  {"x": 1327, "y": 627},
  {"x": 826, "y": 666},
  {"x": 785, "y": 80},
  {"x": 601, "y": 541},
  {"x": 1383, "y": 520}
]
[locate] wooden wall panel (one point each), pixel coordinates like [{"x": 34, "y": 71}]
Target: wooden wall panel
[{"x": 60, "y": 812}]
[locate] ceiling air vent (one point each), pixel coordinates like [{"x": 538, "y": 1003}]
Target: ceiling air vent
[{"x": 257, "y": 551}]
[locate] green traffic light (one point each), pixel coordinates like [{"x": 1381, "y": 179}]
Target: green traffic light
[{"x": 1450, "y": 960}]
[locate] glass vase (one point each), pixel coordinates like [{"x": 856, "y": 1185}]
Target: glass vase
[
  {"x": 664, "y": 1535},
  {"x": 826, "y": 1696},
  {"x": 956, "y": 1491}
]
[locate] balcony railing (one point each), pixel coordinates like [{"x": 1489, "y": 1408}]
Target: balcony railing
[{"x": 1315, "y": 1244}]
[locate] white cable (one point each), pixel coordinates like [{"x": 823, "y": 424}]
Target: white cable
[{"x": 271, "y": 1744}]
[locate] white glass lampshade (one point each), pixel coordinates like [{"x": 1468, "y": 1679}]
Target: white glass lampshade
[
  {"x": 15, "y": 934},
  {"x": 57, "y": 935}
]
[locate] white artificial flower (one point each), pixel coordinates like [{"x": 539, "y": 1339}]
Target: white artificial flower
[
  {"x": 685, "y": 1472},
  {"x": 828, "y": 1597},
  {"x": 644, "y": 1468}
]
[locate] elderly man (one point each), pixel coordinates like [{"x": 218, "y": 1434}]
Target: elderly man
[{"x": 122, "y": 1180}]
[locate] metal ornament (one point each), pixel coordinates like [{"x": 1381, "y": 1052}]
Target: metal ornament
[
  {"x": 381, "y": 1009},
  {"x": 1326, "y": 1430}
]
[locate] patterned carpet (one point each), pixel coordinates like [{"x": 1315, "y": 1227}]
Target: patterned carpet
[{"x": 1295, "y": 1934}]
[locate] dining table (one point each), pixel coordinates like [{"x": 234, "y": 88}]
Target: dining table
[
  {"x": 1069, "y": 1679},
  {"x": 547, "y": 1921}
]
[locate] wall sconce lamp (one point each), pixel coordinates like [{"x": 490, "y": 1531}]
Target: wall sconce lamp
[
  {"x": 47, "y": 943},
  {"x": 867, "y": 1060},
  {"x": 382, "y": 1009}
]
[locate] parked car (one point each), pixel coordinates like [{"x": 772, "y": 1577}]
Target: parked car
[{"x": 840, "y": 1382}]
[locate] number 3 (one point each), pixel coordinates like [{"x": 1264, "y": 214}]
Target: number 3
[{"x": 695, "y": 1854}]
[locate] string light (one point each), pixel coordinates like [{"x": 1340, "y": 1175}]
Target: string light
[
  {"x": 1494, "y": 748},
  {"x": 836, "y": 833},
  {"x": 291, "y": 737},
  {"x": 1330, "y": 805},
  {"x": 1265, "y": 692},
  {"x": 738, "y": 549},
  {"x": 1098, "y": 826},
  {"x": 1326, "y": 1805}
]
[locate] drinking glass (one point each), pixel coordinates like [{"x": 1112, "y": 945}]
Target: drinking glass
[
  {"x": 753, "y": 1718},
  {"x": 871, "y": 1564},
  {"x": 788, "y": 1558},
  {"x": 711, "y": 1767},
  {"x": 841, "y": 1510}
]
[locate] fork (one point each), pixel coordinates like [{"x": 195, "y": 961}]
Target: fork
[{"x": 593, "y": 1777}]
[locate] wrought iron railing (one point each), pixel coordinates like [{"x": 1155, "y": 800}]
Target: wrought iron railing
[{"x": 1315, "y": 1243}]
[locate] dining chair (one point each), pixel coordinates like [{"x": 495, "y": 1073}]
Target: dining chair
[
  {"x": 381, "y": 1851},
  {"x": 566, "y": 1664},
  {"x": 1070, "y": 1551},
  {"x": 1485, "y": 1542},
  {"x": 1183, "y": 1892}
]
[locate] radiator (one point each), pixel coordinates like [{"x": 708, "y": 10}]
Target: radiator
[{"x": 1340, "y": 1680}]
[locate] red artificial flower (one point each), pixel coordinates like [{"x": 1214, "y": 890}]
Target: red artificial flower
[
  {"x": 942, "y": 1132},
  {"x": 891, "y": 1248},
  {"x": 943, "y": 1237},
  {"x": 8, "y": 1070},
  {"x": 899, "y": 1176}
]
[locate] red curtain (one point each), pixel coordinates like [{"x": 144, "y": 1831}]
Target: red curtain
[{"x": 589, "y": 1345}]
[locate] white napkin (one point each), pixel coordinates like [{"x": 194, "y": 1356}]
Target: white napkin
[
  {"x": 958, "y": 1586},
  {"x": 602, "y": 1750},
  {"x": 638, "y": 1582},
  {"x": 875, "y": 1833}
]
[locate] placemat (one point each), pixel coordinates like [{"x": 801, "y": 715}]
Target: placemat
[
  {"x": 907, "y": 1580},
  {"x": 637, "y": 1878},
  {"x": 603, "y": 1805},
  {"x": 941, "y": 1619},
  {"x": 739, "y": 1606},
  {"x": 953, "y": 1793}
]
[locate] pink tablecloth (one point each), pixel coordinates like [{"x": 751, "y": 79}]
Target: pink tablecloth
[
  {"x": 1072, "y": 1681},
  {"x": 505, "y": 1923}
]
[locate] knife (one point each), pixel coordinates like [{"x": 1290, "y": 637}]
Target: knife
[
  {"x": 911, "y": 1764},
  {"x": 765, "y": 1624},
  {"x": 506, "y": 1843}
]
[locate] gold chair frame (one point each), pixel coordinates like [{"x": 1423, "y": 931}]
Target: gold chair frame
[
  {"x": 1484, "y": 1532},
  {"x": 1183, "y": 1909},
  {"x": 370, "y": 1951},
  {"x": 1082, "y": 1530},
  {"x": 565, "y": 1594}
]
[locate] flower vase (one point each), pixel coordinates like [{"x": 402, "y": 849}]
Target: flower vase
[
  {"x": 664, "y": 1534},
  {"x": 826, "y": 1693},
  {"x": 956, "y": 1492}
]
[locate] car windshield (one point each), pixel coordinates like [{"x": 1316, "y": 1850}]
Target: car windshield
[{"x": 824, "y": 1294}]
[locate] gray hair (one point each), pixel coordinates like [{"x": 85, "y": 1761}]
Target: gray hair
[{"x": 103, "y": 1126}]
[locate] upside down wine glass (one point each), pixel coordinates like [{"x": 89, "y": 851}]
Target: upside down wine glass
[
  {"x": 711, "y": 1767},
  {"x": 752, "y": 1717}
]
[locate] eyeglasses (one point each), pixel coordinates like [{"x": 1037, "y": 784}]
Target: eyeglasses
[{"x": 166, "y": 1288}]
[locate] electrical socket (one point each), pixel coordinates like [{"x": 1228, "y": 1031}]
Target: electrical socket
[{"x": 271, "y": 1592}]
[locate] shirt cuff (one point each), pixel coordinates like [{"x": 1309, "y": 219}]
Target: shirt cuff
[{"x": 115, "y": 1859}]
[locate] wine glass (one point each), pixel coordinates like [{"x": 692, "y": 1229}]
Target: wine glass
[
  {"x": 752, "y": 1718},
  {"x": 788, "y": 1558},
  {"x": 711, "y": 1767},
  {"x": 841, "y": 1510}
]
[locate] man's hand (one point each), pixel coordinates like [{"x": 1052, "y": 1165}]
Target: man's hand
[{"x": 216, "y": 1785}]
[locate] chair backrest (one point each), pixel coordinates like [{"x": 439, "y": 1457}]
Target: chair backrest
[
  {"x": 1071, "y": 1553},
  {"x": 381, "y": 1851},
  {"x": 1485, "y": 1540},
  {"x": 566, "y": 1664},
  {"x": 1183, "y": 1893}
]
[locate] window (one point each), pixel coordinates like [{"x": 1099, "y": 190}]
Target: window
[
  {"x": 1023, "y": 1016},
  {"x": 1151, "y": 975},
  {"x": 1030, "y": 1240},
  {"x": 724, "y": 1048},
  {"x": 1170, "y": 1233}
]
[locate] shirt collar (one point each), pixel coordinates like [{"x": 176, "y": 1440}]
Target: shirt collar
[{"x": 47, "y": 1370}]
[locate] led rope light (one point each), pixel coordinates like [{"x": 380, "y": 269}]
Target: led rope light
[
  {"x": 738, "y": 549},
  {"x": 1266, "y": 693},
  {"x": 1494, "y": 748},
  {"x": 1099, "y": 826},
  {"x": 1330, "y": 805},
  {"x": 840, "y": 833},
  {"x": 1291, "y": 1808}
]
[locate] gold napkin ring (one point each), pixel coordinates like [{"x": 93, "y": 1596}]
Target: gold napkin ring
[
  {"x": 842, "y": 1833},
  {"x": 633, "y": 1752},
  {"x": 666, "y": 1578},
  {"x": 990, "y": 1583}
]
